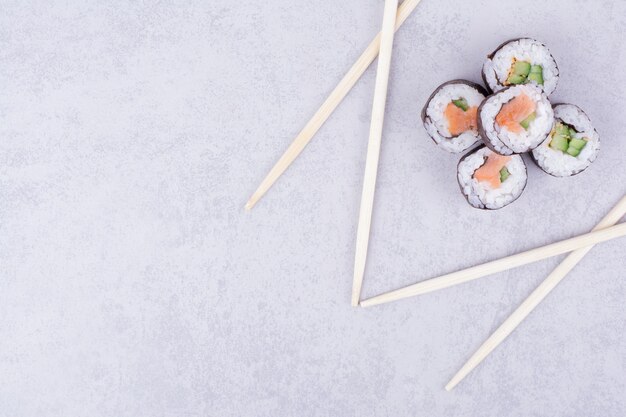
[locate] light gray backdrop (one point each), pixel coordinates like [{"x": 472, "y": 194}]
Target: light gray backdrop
[{"x": 134, "y": 284}]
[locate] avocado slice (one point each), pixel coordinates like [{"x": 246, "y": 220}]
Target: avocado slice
[
  {"x": 518, "y": 73},
  {"x": 572, "y": 151},
  {"x": 562, "y": 129},
  {"x": 526, "y": 122},
  {"x": 559, "y": 142},
  {"x": 522, "y": 68},
  {"x": 461, "y": 104},
  {"x": 564, "y": 140},
  {"x": 536, "y": 74},
  {"x": 577, "y": 144},
  {"x": 504, "y": 174},
  {"x": 516, "y": 79}
]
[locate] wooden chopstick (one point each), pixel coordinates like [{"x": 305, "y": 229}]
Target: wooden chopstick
[
  {"x": 499, "y": 265},
  {"x": 534, "y": 299},
  {"x": 329, "y": 106},
  {"x": 373, "y": 147}
]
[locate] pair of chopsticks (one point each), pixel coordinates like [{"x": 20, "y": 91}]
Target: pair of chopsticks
[{"x": 578, "y": 246}]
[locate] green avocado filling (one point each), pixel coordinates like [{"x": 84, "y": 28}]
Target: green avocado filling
[
  {"x": 536, "y": 74},
  {"x": 504, "y": 174},
  {"x": 461, "y": 104},
  {"x": 523, "y": 72},
  {"x": 519, "y": 72},
  {"x": 564, "y": 140},
  {"x": 575, "y": 146},
  {"x": 526, "y": 122}
]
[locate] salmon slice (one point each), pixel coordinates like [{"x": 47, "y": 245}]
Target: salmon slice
[
  {"x": 490, "y": 171},
  {"x": 513, "y": 112},
  {"x": 460, "y": 121}
]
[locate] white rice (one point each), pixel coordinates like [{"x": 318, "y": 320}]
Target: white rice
[
  {"x": 437, "y": 125},
  {"x": 506, "y": 142},
  {"x": 561, "y": 164},
  {"x": 496, "y": 69},
  {"x": 482, "y": 194}
]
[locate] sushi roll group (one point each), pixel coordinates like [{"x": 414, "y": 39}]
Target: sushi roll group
[
  {"x": 521, "y": 61},
  {"x": 516, "y": 119},
  {"x": 449, "y": 115},
  {"x": 572, "y": 145},
  {"x": 489, "y": 180}
]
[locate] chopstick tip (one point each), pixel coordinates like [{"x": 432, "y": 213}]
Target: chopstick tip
[{"x": 453, "y": 382}]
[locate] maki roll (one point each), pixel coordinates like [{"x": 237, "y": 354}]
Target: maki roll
[
  {"x": 572, "y": 145},
  {"x": 489, "y": 180},
  {"x": 449, "y": 116},
  {"x": 521, "y": 61},
  {"x": 516, "y": 119}
]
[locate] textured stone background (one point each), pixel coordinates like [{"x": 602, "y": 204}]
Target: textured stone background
[{"x": 134, "y": 284}]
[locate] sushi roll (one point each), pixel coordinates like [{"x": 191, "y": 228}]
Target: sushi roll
[
  {"x": 521, "y": 61},
  {"x": 573, "y": 143},
  {"x": 489, "y": 180},
  {"x": 516, "y": 119},
  {"x": 449, "y": 115}
]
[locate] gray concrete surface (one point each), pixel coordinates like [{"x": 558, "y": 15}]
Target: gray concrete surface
[{"x": 134, "y": 284}]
